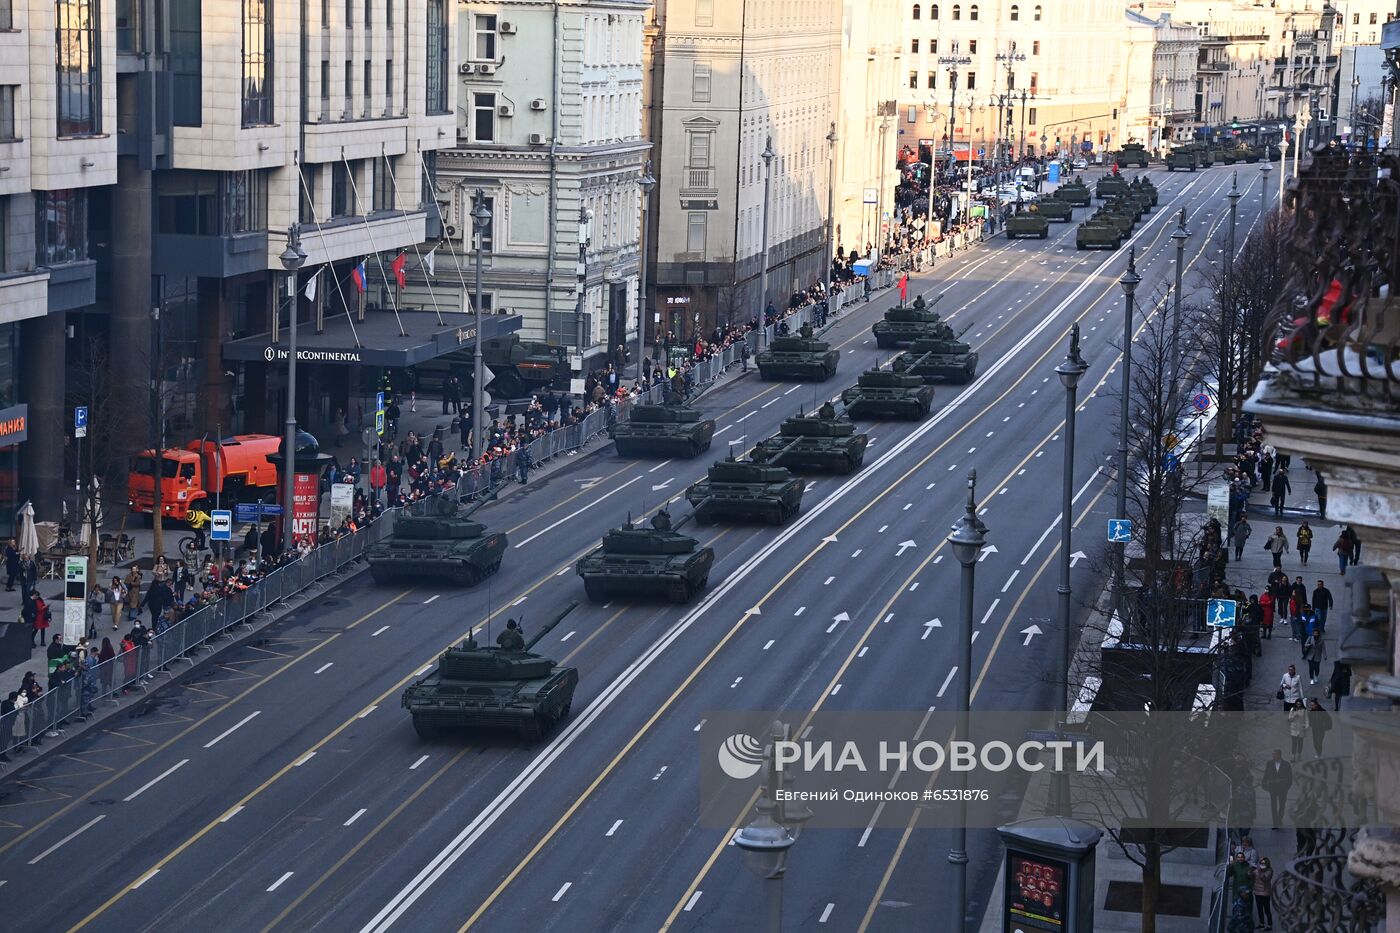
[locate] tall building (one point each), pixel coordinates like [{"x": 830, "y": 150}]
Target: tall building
[
  {"x": 726, "y": 79},
  {"x": 159, "y": 151},
  {"x": 1159, "y": 80},
  {"x": 867, "y": 127},
  {"x": 550, "y": 130}
]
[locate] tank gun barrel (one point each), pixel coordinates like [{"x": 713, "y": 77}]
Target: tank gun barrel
[
  {"x": 958, "y": 335},
  {"x": 549, "y": 626}
]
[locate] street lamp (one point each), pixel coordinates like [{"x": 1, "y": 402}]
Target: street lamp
[
  {"x": 1282, "y": 169},
  {"x": 293, "y": 257},
  {"x": 1162, "y": 115},
  {"x": 646, "y": 182},
  {"x": 1225, "y": 393},
  {"x": 481, "y": 216},
  {"x": 830, "y": 208},
  {"x": 1300, "y": 127},
  {"x": 768, "y": 156},
  {"x": 1129, "y": 283},
  {"x": 1179, "y": 238},
  {"x": 967, "y": 539},
  {"x": 765, "y": 842},
  {"x": 585, "y": 228},
  {"x": 1070, "y": 371}
]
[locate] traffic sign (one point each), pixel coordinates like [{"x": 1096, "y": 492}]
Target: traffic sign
[
  {"x": 379, "y": 402},
  {"x": 379, "y": 423},
  {"x": 981, "y": 151},
  {"x": 1221, "y": 613},
  {"x": 252, "y": 511},
  {"x": 1120, "y": 530},
  {"x": 1200, "y": 401},
  {"x": 80, "y": 421},
  {"x": 221, "y": 525}
]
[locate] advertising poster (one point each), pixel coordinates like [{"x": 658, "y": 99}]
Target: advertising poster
[
  {"x": 306, "y": 498},
  {"x": 1035, "y": 894}
]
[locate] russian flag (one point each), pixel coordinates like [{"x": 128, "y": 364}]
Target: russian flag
[{"x": 357, "y": 275}]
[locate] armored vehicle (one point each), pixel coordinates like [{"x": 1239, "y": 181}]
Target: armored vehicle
[
  {"x": 1207, "y": 155},
  {"x": 1098, "y": 233},
  {"x": 1244, "y": 152},
  {"x": 442, "y": 545},
  {"x": 523, "y": 367},
  {"x": 938, "y": 360},
  {"x": 655, "y": 561},
  {"x": 1110, "y": 185},
  {"x": 1056, "y": 209},
  {"x": 1149, "y": 187},
  {"x": 1075, "y": 192},
  {"x": 1028, "y": 222},
  {"x": 1132, "y": 154},
  {"x": 818, "y": 443},
  {"x": 667, "y": 430},
  {"x": 749, "y": 490},
  {"x": 1121, "y": 212},
  {"x": 801, "y": 358},
  {"x": 1139, "y": 198},
  {"x": 904, "y": 324},
  {"x": 1184, "y": 157},
  {"x": 504, "y": 686},
  {"x": 882, "y": 393}
]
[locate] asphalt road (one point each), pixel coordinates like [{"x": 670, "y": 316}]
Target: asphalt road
[{"x": 284, "y": 787}]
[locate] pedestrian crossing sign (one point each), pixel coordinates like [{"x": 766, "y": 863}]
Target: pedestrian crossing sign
[
  {"x": 1120, "y": 530},
  {"x": 379, "y": 423},
  {"x": 1220, "y": 613}
]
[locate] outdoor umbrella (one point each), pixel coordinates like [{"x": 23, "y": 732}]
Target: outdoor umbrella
[
  {"x": 93, "y": 519},
  {"x": 28, "y": 536}
]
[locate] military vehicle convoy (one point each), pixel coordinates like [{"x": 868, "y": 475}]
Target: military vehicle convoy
[
  {"x": 803, "y": 358},
  {"x": 1184, "y": 157},
  {"x": 1132, "y": 154},
  {"x": 746, "y": 490},
  {"x": 1028, "y": 222},
  {"x": 820, "y": 443},
  {"x": 1244, "y": 152},
  {"x": 1148, "y": 186},
  {"x": 905, "y": 324},
  {"x": 658, "y": 561},
  {"x": 1110, "y": 186},
  {"x": 522, "y": 367},
  {"x": 1098, "y": 232},
  {"x": 443, "y": 545},
  {"x": 669, "y": 429},
  {"x": 504, "y": 686},
  {"x": 1056, "y": 209},
  {"x": 881, "y": 393},
  {"x": 1075, "y": 192},
  {"x": 940, "y": 360}
]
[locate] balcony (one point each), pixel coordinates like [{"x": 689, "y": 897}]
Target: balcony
[
  {"x": 346, "y": 237},
  {"x": 72, "y": 285},
  {"x": 699, "y": 183},
  {"x": 23, "y": 295},
  {"x": 214, "y": 257}
]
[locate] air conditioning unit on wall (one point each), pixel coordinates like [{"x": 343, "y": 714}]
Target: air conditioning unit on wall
[
  {"x": 505, "y": 110},
  {"x": 537, "y": 103},
  {"x": 466, "y": 68},
  {"x": 537, "y": 139},
  {"x": 507, "y": 28},
  {"x": 486, "y": 69}
]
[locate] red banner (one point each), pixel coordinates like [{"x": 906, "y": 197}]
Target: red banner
[{"x": 306, "y": 501}]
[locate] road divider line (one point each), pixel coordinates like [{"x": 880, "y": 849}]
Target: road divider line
[
  {"x": 155, "y": 780},
  {"x": 70, "y": 837},
  {"x": 577, "y": 512},
  {"x": 232, "y": 729}
]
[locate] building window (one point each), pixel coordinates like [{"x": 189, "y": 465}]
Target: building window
[
  {"x": 61, "y": 222},
  {"x": 1035, "y": 81},
  {"x": 368, "y": 84},
  {"x": 700, "y": 82},
  {"x": 1015, "y": 13},
  {"x": 388, "y": 87},
  {"x": 78, "y": 66},
  {"x": 349, "y": 90},
  {"x": 437, "y": 56},
  {"x": 914, "y": 46},
  {"x": 186, "y": 62},
  {"x": 933, "y": 80},
  {"x": 243, "y": 201},
  {"x": 484, "y": 37},
  {"x": 4, "y": 233},
  {"x": 913, "y": 79},
  {"x": 957, "y": 11},
  {"x": 913, "y": 116},
  {"x": 427, "y": 194},
  {"x": 695, "y": 232},
  {"x": 972, "y": 46},
  {"x": 933, "y": 46},
  {"x": 1373, "y": 19},
  {"x": 704, "y": 12},
  {"x": 971, "y": 80},
  {"x": 1356, "y": 19},
  {"x": 257, "y": 62},
  {"x": 1035, "y": 47},
  {"x": 8, "y": 93},
  {"x": 306, "y": 204},
  {"x": 389, "y": 14},
  {"x": 483, "y": 117},
  {"x": 933, "y": 11},
  {"x": 1032, "y": 118},
  {"x": 349, "y": 16},
  {"x": 384, "y": 183},
  {"x": 699, "y": 150},
  {"x": 1037, "y": 14},
  {"x": 488, "y": 233},
  {"x": 325, "y": 90},
  {"x": 917, "y": 11},
  {"x": 972, "y": 12}
]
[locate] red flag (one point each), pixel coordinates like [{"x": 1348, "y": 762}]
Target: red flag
[
  {"x": 397, "y": 265},
  {"x": 903, "y": 287}
]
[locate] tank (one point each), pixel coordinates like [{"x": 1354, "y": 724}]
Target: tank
[
  {"x": 523, "y": 367},
  {"x": 440, "y": 546},
  {"x": 1028, "y": 222},
  {"x": 1183, "y": 157},
  {"x": 802, "y": 358},
  {"x": 1132, "y": 154},
  {"x": 663, "y": 430},
  {"x": 1075, "y": 192},
  {"x": 883, "y": 393},
  {"x": 1144, "y": 197},
  {"x": 820, "y": 443},
  {"x": 1057, "y": 210},
  {"x": 906, "y": 323},
  {"x": 1110, "y": 185},
  {"x": 501, "y": 686},
  {"x": 656, "y": 562},
  {"x": 746, "y": 490},
  {"x": 1244, "y": 152},
  {"x": 1122, "y": 213},
  {"x": 1149, "y": 187},
  {"x": 1207, "y": 155},
  {"x": 1098, "y": 233},
  {"x": 938, "y": 360}
]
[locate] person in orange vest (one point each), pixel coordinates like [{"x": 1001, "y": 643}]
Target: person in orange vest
[{"x": 377, "y": 479}]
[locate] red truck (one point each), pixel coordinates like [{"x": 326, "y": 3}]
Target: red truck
[{"x": 236, "y": 469}]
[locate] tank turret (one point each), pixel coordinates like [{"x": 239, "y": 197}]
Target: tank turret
[
  {"x": 938, "y": 360},
  {"x": 746, "y": 490},
  {"x": 904, "y": 324},
  {"x": 670, "y": 429},
  {"x": 802, "y": 358},
  {"x": 884, "y": 393},
  {"x": 821, "y": 443},
  {"x": 654, "y": 561},
  {"x": 443, "y": 544}
]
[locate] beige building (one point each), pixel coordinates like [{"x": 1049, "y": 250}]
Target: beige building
[
  {"x": 868, "y": 128},
  {"x": 1160, "y": 80},
  {"x": 725, "y": 78}
]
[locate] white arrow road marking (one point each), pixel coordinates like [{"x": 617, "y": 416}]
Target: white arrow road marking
[
  {"x": 829, "y": 539},
  {"x": 588, "y": 482},
  {"x": 808, "y": 488},
  {"x": 1030, "y": 632},
  {"x": 1076, "y": 557},
  {"x": 989, "y": 549},
  {"x": 662, "y": 486},
  {"x": 904, "y": 546},
  {"x": 837, "y": 620},
  {"x": 929, "y": 626}
]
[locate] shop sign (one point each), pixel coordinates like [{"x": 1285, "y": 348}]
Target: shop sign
[
  {"x": 277, "y": 354},
  {"x": 14, "y": 425}
]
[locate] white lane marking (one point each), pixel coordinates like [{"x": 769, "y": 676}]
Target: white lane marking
[
  {"x": 303, "y": 759},
  {"x": 828, "y": 581},
  {"x": 563, "y": 570},
  {"x": 658, "y": 466},
  {"x": 835, "y": 690},
  {"x": 432, "y": 598},
  {"x": 914, "y": 586},
  {"x": 367, "y": 710},
  {"x": 745, "y": 417},
  {"x": 792, "y": 390},
  {"x": 690, "y": 904},
  {"x": 422, "y": 670},
  {"x": 856, "y": 552},
  {"x": 231, "y": 814},
  {"x": 323, "y": 667},
  {"x": 769, "y": 645},
  {"x": 938, "y": 559},
  {"x": 946, "y": 681},
  {"x": 657, "y": 775},
  {"x": 800, "y": 610},
  {"x": 766, "y": 404},
  {"x": 520, "y": 600},
  {"x": 414, "y": 766},
  {"x": 990, "y": 609},
  {"x": 1002, "y": 491},
  {"x": 737, "y": 681},
  {"x": 826, "y": 913},
  {"x": 1009, "y": 580},
  {"x": 888, "y": 618},
  {"x": 70, "y": 837},
  {"x": 908, "y": 506},
  {"x": 972, "y": 450},
  {"x": 990, "y": 433},
  {"x": 379, "y": 631},
  {"x": 699, "y": 725},
  {"x": 975, "y": 634},
  {"x": 579, "y": 511},
  {"x": 613, "y": 828},
  {"x": 863, "y": 651},
  {"x": 1051, "y": 527},
  {"x": 358, "y": 813},
  {"x": 929, "y": 486},
  {"x": 883, "y": 529},
  {"x": 144, "y": 878},
  {"x": 1006, "y": 419},
  {"x": 562, "y": 889},
  {"x": 153, "y": 781},
  {"x": 278, "y": 883},
  {"x": 568, "y": 636},
  {"x": 1021, "y": 472},
  {"x": 952, "y": 467},
  {"x": 232, "y": 729}
]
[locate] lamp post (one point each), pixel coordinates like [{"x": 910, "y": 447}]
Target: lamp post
[
  {"x": 1179, "y": 238},
  {"x": 1300, "y": 128},
  {"x": 830, "y": 208},
  {"x": 967, "y": 539},
  {"x": 1282, "y": 169},
  {"x": 765, "y": 842},
  {"x": 585, "y": 228},
  {"x": 647, "y": 182},
  {"x": 1162, "y": 115},
  {"x": 293, "y": 257},
  {"x": 880, "y": 191},
  {"x": 1351, "y": 111},
  {"x": 768, "y": 156},
  {"x": 1129, "y": 282},
  {"x": 1070, "y": 371},
  {"x": 1225, "y": 393},
  {"x": 481, "y": 216}
]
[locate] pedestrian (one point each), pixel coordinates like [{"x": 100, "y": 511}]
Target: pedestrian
[
  {"x": 1339, "y": 684},
  {"x": 106, "y": 663},
  {"x": 1280, "y": 490},
  {"x": 1266, "y": 624},
  {"x": 1264, "y": 893},
  {"x": 13, "y": 565},
  {"x": 1290, "y": 687},
  {"x": 1355, "y": 545},
  {"x": 1320, "y": 490},
  {"x": 8, "y": 716},
  {"x": 38, "y": 618},
  {"x": 1305, "y": 536},
  {"x": 377, "y": 480},
  {"x": 1277, "y": 779},
  {"x": 1239, "y": 535},
  {"x": 1321, "y": 603},
  {"x": 1314, "y": 652},
  {"x": 96, "y": 601},
  {"x": 1297, "y": 600},
  {"x": 133, "y": 593},
  {"x": 1254, "y": 625},
  {"x": 116, "y": 598},
  {"x": 1342, "y": 547},
  {"x": 522, "y": 464},
  {"x": 1277, "y": 545},
  {"x": 1297, "y": 728},
  {"x": 1318, "y": 723},
  {"x": 1241, "y": 876}
]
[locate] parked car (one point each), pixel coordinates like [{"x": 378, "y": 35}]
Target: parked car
[{"x": 1080, "y": 165}]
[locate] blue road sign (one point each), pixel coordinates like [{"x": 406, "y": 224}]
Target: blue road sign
[
  {"x": 221, "y": 525},
  {"x": 252, "y": 511},
  {"x": 1221, "y": 613},
  {"x": 379, "y": 402},
  {"x": 981, "y": 151},
  {"x": 1120, "y": 530},
  {"x": 379, "y": 423},
  {"x": 1201, "y": 401},
  {"x": 80, "y": 416}
]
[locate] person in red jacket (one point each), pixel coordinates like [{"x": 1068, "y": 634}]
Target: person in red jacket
[
  {"x": 1266, "y": 625},
  {"x": 377, "y": 480}
]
